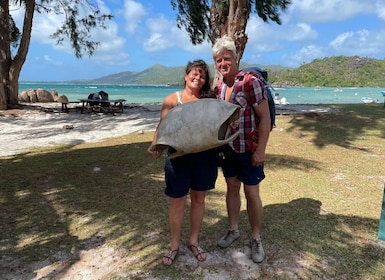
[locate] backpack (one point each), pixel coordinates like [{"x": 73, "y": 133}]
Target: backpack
[{"x": 263, "y": 76}]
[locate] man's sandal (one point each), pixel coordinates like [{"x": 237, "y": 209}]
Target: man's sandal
[
  {"x": 198, "y": 252},
  {"x": 169, "y": 258}
]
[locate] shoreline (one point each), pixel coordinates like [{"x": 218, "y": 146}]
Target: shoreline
[{"x": 45, "y": 124}]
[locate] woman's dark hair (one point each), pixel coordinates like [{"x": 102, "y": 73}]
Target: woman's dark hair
[{"x": 206, "y": 91}]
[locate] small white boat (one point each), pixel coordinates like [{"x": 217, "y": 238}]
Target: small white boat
[
  {"x": 369, "y": 100},
  {"x": 278, "y": 100},
  {"x": 337, "y": 89}
]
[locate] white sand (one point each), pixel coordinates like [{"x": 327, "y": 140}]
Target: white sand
[{"x": 45, "y": 124}]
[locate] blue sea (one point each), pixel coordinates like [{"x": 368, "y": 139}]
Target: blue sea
[{"x": 155, "y": 94}]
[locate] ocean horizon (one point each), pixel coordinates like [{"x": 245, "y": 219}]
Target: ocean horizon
[{"x": 156, "y": 93}]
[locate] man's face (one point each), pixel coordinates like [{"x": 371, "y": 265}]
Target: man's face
[{"x": 225, "y": 63}]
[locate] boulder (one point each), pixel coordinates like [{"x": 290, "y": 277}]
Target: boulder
[
  {"x": 44, "y": 95},
  {"x": 23, "y": 96},
  {"x": 55, "y": 95},
  {"x": 62, "y": 99},
  {"x": 32, "y": 96}
]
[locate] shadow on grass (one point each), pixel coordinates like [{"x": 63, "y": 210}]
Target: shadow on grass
[
  {"x": 301, "y": 239},
  {"x": 343, "y": 128},
  {"x": 52, "y": 204},
  {"x": 55, "y": 204},
  {"x": 332, "y": 244}
]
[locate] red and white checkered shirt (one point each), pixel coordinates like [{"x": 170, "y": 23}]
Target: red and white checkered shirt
[{"x": 244, "y": 95}]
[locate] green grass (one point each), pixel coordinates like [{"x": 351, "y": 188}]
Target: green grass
[{"x": 322, "y": 199}]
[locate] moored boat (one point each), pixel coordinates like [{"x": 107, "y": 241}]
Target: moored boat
[
  {"x": 369, "y": 100},
  {"x": 278, "y": 100}
]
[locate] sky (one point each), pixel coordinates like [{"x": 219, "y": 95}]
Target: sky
[{"x": 144, "y": 33}]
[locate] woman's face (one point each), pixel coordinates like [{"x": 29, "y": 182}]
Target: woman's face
[{"x": 196, "y": 78}]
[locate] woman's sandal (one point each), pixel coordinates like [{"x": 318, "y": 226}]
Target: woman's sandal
[
  {"x": 198, "y": 252},
  {"x": 170, "y": 257}
]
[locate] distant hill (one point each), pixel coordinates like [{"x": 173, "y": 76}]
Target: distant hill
[
  {"x": 340, "y": 71},
  {"x": 155, "y": 75}
]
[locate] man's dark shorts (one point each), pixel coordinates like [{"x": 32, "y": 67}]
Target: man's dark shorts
[
  {"x": 239, "y": 165},
  {"x": 196, "y": 171}
]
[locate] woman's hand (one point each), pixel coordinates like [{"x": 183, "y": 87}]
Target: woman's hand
[
  {"x": 234, "y": 124},
  {"x": 153, "y": 154}
]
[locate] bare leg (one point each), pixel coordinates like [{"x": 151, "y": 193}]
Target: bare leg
[
  {"x": 196, "y": 217},
  {"x": 233, "y": 201},
  {"x": 176, "y": 215},
  {"x": 254, "y": 209}
]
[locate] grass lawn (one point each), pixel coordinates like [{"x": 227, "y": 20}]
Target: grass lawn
[{"x": 322, "y": 199}]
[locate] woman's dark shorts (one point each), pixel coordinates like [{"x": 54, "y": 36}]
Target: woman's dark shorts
[
  {"x": 239, "y": 165},
  {"x": 196, "y": 171}
]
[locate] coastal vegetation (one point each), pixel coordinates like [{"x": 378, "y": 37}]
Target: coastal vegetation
[{"x": 339, "y": 71}]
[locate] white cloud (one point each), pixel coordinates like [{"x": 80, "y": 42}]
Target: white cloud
[
  {"x": 263, "y": 38},
  {"x": 164, "y": 35},
  {"x": 156, "y": 42},
  {"x": 297, "y": 40},
  {"x": 301, "y": 32},
  {"x": 341, "y": 40},
  {"x": 361, "y": 42},
  {"x": 306, "y": 54},
  {"x": 133, "y": 13},
  {"x": 380, "y": 9},
  {"x": 50, "y": 61},
  {"x": 311, "y": 11},
  {"x": 111, "y": 50}
]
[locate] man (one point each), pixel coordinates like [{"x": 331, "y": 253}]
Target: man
[{"x": 246, "y": 154}]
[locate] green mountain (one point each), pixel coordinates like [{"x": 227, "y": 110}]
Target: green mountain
[
  {"x": 155, "y": 75},
  {"x": 340, "y": 71}
]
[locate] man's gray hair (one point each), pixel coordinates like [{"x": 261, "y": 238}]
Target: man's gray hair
[{"x": 222, "y": 44}]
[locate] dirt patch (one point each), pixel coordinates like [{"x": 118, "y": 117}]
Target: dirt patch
[{"x": 103, "y": 262}]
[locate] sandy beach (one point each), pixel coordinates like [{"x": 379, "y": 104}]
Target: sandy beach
[{"x": 44, "y": 124}]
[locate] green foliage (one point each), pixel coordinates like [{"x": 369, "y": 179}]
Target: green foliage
[
  {"x": 81, "y": 16},
  {"x": 270, "y": 9},
  {"x": 14, "y": 33},
  {"x": 78, "y": 28},
  {"x": 194, "y": 18},
  {"x": 195, "y": 15},
  {"x": 343, "y": 71}
]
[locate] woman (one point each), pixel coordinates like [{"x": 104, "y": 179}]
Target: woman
[{"x": 192, "y": 173}]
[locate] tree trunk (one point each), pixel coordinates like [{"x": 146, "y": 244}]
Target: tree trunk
[
  {"x": 239, "y": 13},
  {"x": 5, "y": 53},
  {"x": 10, "y": 68},
  {"x": 230, "y": 17}
]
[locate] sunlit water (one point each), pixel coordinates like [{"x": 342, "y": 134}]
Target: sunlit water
[{"x": 154, "y": 94}]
